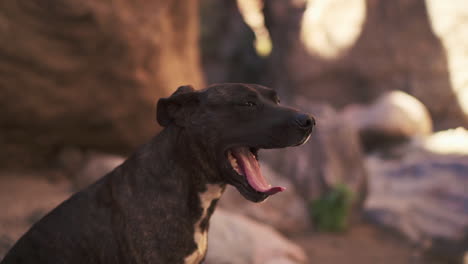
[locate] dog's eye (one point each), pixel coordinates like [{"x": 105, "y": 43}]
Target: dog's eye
[{"x": 249, "y": 103}]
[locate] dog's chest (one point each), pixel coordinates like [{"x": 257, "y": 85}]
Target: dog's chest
[{"x": 212, "y": 193}]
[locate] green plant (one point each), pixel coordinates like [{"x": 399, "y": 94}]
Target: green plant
[{"x": 331, "y": 211}]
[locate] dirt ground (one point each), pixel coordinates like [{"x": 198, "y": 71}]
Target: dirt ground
[
  {"x": 362, "y": 244},
  {"x": 23, "y": 200}
]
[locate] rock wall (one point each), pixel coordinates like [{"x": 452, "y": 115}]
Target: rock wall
[
  {"x": 88, "y": 73},
  {"x": 393, "y": 47},
  {"x": 227, "y": 44}
]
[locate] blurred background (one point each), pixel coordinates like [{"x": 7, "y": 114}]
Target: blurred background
[{"x": 384, "y": 178}]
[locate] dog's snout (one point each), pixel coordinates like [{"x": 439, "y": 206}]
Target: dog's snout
[{"x": 305, "y": 121}]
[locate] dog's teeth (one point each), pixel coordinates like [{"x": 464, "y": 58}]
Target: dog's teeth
[{"x": 233, "y": 162}]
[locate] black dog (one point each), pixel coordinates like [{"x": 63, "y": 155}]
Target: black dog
[{"x": 156, "y": 206}]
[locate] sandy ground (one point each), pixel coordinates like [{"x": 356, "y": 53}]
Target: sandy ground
[
  {"x": 362, "y": 244},
  {"x": 23, "y": 200}
]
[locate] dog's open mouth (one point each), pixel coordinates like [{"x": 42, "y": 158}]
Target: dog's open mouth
[{"x": 244, "y": 161}]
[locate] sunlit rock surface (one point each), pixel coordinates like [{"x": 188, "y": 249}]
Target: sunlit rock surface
[
  {"x": 452, "y": 141},
  {"x": 235, "y": 239},
  {"x": 330, "y": 28},
  {"x": 394, "y": 117},
  {"x": 449, "y": 21}
]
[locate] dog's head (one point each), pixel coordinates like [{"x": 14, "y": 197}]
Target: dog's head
[{"x": 232, "y": 122}]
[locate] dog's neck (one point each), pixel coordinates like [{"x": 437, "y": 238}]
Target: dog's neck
[
  {"x": 185, "y": 181},
  {"x": 176, "y": 144},
  {"x": 186, "y": 172}
]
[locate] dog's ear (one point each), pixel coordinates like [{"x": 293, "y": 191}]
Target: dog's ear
[{"x": 175, "y": 108}]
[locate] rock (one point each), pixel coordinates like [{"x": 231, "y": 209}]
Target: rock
[
  {"x": 423, "y": 195},
  {"x": 342, "y": 52},
  {"x": 235, "y": 239},
  {"x": 286, "y": 211},
  {"x": 452, "y": 141},
  {"x": 394, "y": 117},
  {"x": 227, "y": 44},
  {"x": 88, "y": 73},
  {"x": 86, "y": 167},
  {"x": 449, "y": 24},
  {"x": 96, "y": 166},
  {"x": 24, "y": 199},
  {"x": 332, "y": 156},
  {"x": 70, "y": 159}
]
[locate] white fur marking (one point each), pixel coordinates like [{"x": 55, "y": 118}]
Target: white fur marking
[{"x": 200, "y": 237}]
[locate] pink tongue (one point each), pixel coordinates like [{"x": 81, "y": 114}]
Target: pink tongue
[{"x": 251, "y": 169}]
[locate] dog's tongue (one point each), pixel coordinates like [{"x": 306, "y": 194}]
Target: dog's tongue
[{"x": 251, "y": 169}]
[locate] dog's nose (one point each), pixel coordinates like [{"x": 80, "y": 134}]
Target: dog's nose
[{"x": 305, "y": 121}]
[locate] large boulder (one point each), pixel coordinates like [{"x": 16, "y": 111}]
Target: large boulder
[
  {"x": 347, "y": 51},
  {"x": 422, "y": 194},
  {"x": 286, "y": 211},
  {"x": 88, "y": 73},
  {"x": 235, "y": 239},
  {"x": 393, "y": 118}
]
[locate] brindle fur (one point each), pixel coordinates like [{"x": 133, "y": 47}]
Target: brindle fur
[{"x": 145, "y": 210}]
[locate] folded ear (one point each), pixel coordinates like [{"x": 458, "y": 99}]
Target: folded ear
[{"x": 175, "y": 108}]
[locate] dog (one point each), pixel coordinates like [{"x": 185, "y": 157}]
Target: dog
[{"x": 156, "y": 206}]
